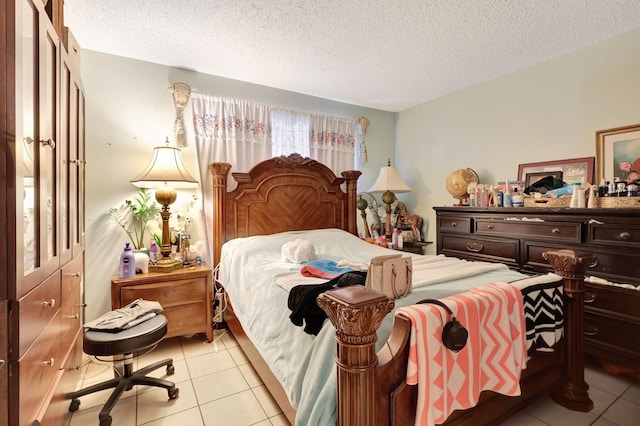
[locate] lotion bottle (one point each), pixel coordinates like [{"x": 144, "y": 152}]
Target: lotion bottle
[{"x": 127, "y": 263}]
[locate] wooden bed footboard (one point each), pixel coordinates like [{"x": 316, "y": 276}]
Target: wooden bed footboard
[{"x": 371, "y": 388}]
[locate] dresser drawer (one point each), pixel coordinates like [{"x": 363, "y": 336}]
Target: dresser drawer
[
  {"x": 612, "y": 337},
  {"x": 615, "y": 234},
  {"x": 489, "y": 249},
  {"x": 35, "y": 310},
  {"x": 38, "y": 370},
  {"x": 454, "y": 224},
  {"x": 617, "y": 301},
  {"x": 566, "y": 232}
]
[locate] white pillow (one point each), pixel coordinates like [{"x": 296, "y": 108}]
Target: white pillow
[{"x": 298, "y": 251}]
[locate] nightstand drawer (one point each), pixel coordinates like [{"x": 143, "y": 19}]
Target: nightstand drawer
[
  {"x": 614, "y": 234},
  {"x": 556, "y": 231},
  {"x": 185, "y": 294},
  {"x": 454, "y": 224},
  {"x": 168, "y": 294},
  {"x": 490, "y": 249}
]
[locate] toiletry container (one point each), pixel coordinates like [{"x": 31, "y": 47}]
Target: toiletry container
[{"x": 127, "y": 263}]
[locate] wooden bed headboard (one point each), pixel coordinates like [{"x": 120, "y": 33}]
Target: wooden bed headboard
[{"x": 281, "y": 194}]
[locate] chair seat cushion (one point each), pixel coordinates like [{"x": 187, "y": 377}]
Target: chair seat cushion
[{"x": 137, "y": 338}]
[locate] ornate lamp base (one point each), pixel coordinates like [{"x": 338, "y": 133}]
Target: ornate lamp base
[{"x": 165, "y": 265}]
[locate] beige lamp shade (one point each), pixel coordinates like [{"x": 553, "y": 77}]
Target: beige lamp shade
[
  {"x": 389, "y": 180},
  {"x": 166, "y": 168}
]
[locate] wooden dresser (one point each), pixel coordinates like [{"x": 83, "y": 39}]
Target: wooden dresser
[
  {"x": 185, "y": 294},
  {"x": 519, "y": 236}
]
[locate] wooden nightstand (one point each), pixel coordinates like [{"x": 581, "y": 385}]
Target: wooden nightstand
[
  {"x": 415, "y": 246},
  {"x": 185, "y": 294}
]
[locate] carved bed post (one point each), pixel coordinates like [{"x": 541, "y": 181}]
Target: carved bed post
[
  {"x": 219, "y": 172},
  {"x": 351, "y": 177},
  {"x": 571, "y": 266},
  {"x": 356, "y": 313}
]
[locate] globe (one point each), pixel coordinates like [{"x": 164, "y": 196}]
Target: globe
[{"x": 457, "y": 183}]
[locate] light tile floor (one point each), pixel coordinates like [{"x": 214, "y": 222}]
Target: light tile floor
[{"x": 219, "y": 387}]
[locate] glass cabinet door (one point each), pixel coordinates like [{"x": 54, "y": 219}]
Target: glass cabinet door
[{"x": 37, "y": 131}]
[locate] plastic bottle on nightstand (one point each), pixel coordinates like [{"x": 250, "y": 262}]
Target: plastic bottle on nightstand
[
  {"x": 127, "y": 263},
  {"x": 153, "y": 253}
]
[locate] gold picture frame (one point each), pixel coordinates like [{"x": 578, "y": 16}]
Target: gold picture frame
[{"x": 618, "y": 153}]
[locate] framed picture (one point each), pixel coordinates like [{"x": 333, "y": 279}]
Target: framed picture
[
  {"x": 573, "y": 169},
  {"x": 618, "y": 153},
  {"x": 532, "y": 178}
]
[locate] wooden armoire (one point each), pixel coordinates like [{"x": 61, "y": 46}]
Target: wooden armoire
[{"x": 42, "y": 168}]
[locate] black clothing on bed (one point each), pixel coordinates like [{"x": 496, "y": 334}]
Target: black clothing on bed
[{"x": 302, "y": 300}]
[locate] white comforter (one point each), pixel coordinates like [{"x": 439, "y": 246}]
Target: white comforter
[{"x": 303, "y": 363}]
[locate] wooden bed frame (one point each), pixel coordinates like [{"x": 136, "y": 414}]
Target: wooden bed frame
[{"x": 296, "y": 193}]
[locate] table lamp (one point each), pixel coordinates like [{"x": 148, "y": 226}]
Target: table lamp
[
  {"x": 165, "y": 173},
  {"x": 389, "y": 183}
]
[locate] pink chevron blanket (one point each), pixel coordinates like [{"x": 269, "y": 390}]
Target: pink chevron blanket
[{"x": 493, "y": 358}]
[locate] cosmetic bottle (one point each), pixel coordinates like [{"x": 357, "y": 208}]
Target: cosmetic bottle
[{"x": 127, "y": 263}]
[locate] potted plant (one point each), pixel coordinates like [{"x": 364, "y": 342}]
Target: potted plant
[{"x": 133, "y": 216}]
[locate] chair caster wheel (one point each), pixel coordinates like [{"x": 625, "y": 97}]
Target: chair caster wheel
[
  {"x": 170, "y": 369},
  {"x": 106, "y": 422},
  {"x": 173, "y": 393},
  {"x": 75, "y": 404}
]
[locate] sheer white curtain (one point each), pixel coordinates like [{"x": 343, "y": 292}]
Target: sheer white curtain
[
  {"x": 290, "y": 132},
  {"x": 229, "y": 130},
  {"x": 244, "y": 133},
  {"x": 332, "y": 142}
]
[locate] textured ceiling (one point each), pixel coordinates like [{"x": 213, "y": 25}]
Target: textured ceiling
[{"x": 388, "y": 55}]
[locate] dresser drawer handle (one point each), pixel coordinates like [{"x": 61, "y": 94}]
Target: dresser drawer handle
[
  {"x": 51, "y": 303},
  {"x": 589, "y": 297},
  {"x": 454, "y": 224},
  {"x": 592, "y": 331},
  {"x": 489, "y": 226},
  {"x": 165, "y": 294},
  {"x": 555, "y": 231},
  {"x": 50, "y": 363},
  {"x": 624, "y": 236},
  {"x": 593, "y": 264},
  {"x": 475, "y": 247}
]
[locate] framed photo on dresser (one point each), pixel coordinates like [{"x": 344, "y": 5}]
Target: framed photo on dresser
[{"x": 572, "y": 169}]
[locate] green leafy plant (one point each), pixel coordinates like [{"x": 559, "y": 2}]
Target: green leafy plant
[{"x": 133, "y": 216}]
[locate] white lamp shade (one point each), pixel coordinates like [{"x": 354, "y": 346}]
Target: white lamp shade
[
  {"x": 389, "y": 180},
  {"x": 166, "y": 168}
]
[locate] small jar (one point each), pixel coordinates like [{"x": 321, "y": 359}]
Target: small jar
[{"x": 632, "y": 190}]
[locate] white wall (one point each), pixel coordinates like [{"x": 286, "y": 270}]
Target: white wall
[
  {"x": 129, "y": 110},
  {"x": 549, "y": 111}
]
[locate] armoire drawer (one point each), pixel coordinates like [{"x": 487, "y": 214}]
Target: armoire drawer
[
  {"x": 35, "y": 310},
  {"x": 615, "y": 234},
  {"x": 492, "y": 249},
  {"x": 454, "y": 224},
  {"x": 565, "y": 232},
  {"x": 38, "y": 370}
]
